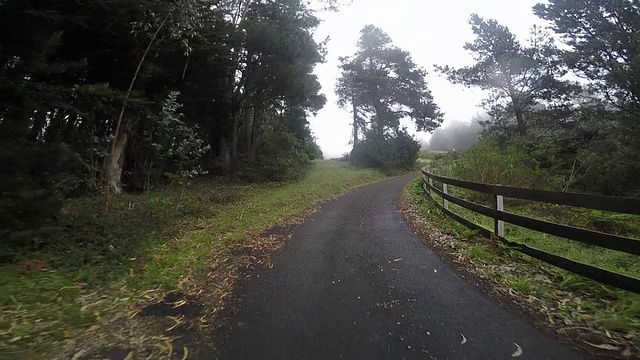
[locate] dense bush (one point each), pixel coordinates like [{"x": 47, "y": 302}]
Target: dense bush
[
  {"x": 313, "y": 149},
  {"x": 389, "y": 153},
  {"x": 491, "y": 162},
  {"x": 596, "y": 163},
  {"x": 167, "y": 147},
  {"x": 34, "y": 181},
  {"x": 279, "y": 156}
]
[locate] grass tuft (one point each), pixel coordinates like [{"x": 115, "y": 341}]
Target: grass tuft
[{"x": 480, "y": 252}]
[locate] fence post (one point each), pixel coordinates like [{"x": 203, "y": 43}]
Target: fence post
[
  {"x": 425, "y": 180},
  {"x": 498, "y": 202},
  {"x": 430, "y": 184},
  {"x": 445, "y": 202}
]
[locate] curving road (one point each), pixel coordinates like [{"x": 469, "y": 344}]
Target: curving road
[{"x": 355, "y": 282}]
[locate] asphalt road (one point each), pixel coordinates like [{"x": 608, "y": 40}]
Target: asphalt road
[{"x": 355, "y": 282}]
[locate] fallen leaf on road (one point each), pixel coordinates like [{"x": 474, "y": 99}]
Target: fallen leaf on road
[
  {"x": 396, "y": 260},
  {"x": 604, "y": 346},
  {"x": 81, "y": 353},
  {"x": 464, "y": 340},
  {"x": 518, "y": 351},
  {"x": 179, "y": 303}
]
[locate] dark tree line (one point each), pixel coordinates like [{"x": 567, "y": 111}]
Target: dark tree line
[
  {"x": 140, "y": 88},
  {"x": 586, "y": 132},
  {"x": 118, "y": 95}
]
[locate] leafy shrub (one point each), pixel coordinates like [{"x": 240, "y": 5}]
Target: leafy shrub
[
  {"x": 168, "y": 148},
  {"x": 493, "y": 163},
  {"x": 34, "y": 181},
  {"x": 279, "y": 156},
  {"x": 345, "y": 157},
  {"x": 389, "y": 153},
  {"x": 313, "y": 149}
]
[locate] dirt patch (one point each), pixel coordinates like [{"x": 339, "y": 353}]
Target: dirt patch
[{"x": 174, "y": 304}]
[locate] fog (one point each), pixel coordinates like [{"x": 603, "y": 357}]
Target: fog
[
  {"x": 434, "y": 32},
  {"x": 457, "y": 135}
]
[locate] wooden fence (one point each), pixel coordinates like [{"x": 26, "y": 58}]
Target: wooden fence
[{"x": 500, "y": 216}]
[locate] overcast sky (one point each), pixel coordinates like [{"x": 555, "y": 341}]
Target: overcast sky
[{"x": 433, "y": 31}]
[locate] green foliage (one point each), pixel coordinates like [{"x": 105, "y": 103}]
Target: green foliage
[
  {"x": 91, "y": 68},
  {"x": 491, "y": 162},
  {"x": 603, "y": 41},
  {"x": 168, "y": 146},
  {"x": 390, "y": 153},
  {"x": 34, "y": 181},
  {"x": 187, "y": 83},
  {"x": 382, "y": 82},
  {"x": 279, "y": 157},
  {"x": 517, "y": 76},
  {"x": 601, "y": 154},
  {"x": 384, "y": 85},
  {"x": 480, "y": 252},
  {"x": 313, "y": 149},
  {"x": 584, "y": 137}
]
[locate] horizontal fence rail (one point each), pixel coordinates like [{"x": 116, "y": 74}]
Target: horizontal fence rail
[
  {"x": 596, "y": 202},
  {"x": 607, "y": 203}
]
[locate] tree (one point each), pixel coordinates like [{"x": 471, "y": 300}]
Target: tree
[
  {"x": 604, "y": 40},
  {"x": 383, "y": 86},
  {"x": 128, "y": 93},
  {"x": 382, "y": 82},
  {"x": 350, "y": 95},
  {"x": 180, "y": 19},
  {"x": 517, "y": 76},
  {"x": 603, "y": 43}
]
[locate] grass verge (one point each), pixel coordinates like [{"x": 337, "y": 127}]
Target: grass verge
[
  {"x": 601, "y": 319},
  {"x": 75, "y": 296}
]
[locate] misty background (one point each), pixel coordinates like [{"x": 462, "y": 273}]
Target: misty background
[{"x": 456, "y": 135}]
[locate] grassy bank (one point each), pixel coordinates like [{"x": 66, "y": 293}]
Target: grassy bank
[
  {"x": 604, "y": 319},
  {"x": 619, "y": 224},
  {"x": 115, "y": 256}
]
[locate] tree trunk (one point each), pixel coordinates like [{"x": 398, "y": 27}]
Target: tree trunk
[
  {"x": 233, "y": 148},
  {"x": 254, "y": 130},
  {"x": 522, "y": 127},
  {"x": 219, "y": 152},
  {"x": 379, "y": 123},
  {"x": 379, "y": 119},
  {"x": 247, "y": 131},
  {"x": 355, "y": 123},
  {"x": 114, "y": 164},
  {"x": 517, "y": 110},
  {"x": 223, "y": 153},
  {"x": 113, "y": 151}
]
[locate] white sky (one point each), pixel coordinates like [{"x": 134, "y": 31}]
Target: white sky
[{"x": 434, "y": 31}]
